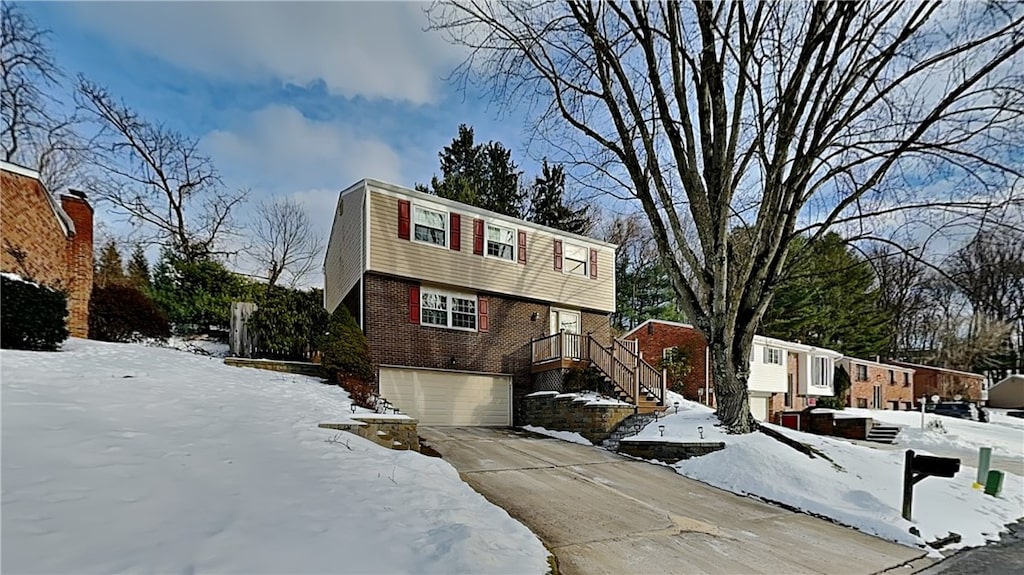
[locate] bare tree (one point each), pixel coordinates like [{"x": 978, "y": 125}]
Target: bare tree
[
  {"x": 34, "y": 131},
  {"x": 901, "y": 282},
  {"x": 788, "y": 119},
  {"x": 157, "y": 178},
  {"x": 284, "y": 241}
]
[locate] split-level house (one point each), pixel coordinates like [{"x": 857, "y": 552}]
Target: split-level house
[
  {"x": 466, "y": 310},
  {"x": 878, "y": 385},
  {"x": 948, "y": 384},
  {"x": 784, "y": 375}
]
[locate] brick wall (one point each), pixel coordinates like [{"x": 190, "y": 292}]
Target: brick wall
[
  {"x": 655, "y": 337},
  {"x": 945, "y": 383},
  {"x": 862, "y": 391},
  {"x": 505, "y": 348},
  {"x": 31, "y": 231}
]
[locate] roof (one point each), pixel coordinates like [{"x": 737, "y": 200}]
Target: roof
[
  {"x": 1010, "y": 379},
  {"x": 933, "y": 368},
  {"x": 415, "y": 194},
  {"x": 66, "y": 223},
  {"x": 879, "y": 364},
  {"x": 758, "y": 339}
]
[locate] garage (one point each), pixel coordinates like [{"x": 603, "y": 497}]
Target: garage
[
  {"x": 444, "y": 397},
  {"x": 759, "y": 407}
]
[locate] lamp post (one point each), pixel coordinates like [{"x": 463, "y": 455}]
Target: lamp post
[
  {"x": 661, "y": 430},
  {"x": 353, "y": 408},
  {"x": 676, "y": 405},
  {"x": 700, "y": 430}
]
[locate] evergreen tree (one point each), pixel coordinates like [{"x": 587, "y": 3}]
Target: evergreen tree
[
  {"x": 829, "y": 298},
  {"x": 197, "y": 294},
  {"x": 109, "y": 267},
  {"x": 138, "y": 269},
  {"x": 481, "y": 175},
  {"x": 548, "y": 206}
]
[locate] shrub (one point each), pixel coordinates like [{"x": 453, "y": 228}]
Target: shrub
[
  {"x": 579, "y": 379},
  {"x": 287, "y": 324},
  {"x": 677, "y": 365},
  {"x": 121, "y": 312},
  {"x": 346, "y": 356},
  {"x": 840, "y": 386},
  {"x": 197, "y": 295},
  {"x": 33, "y": 316}
]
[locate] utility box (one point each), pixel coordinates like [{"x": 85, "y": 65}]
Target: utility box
[{"x": 994, "y": 483}]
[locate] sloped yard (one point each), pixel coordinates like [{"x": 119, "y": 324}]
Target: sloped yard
[{"x": 138, "y": 459}]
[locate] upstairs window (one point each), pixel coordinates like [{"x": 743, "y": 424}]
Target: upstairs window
[
  {"x": 501, "y": 242},
  {"x": 576, "y": 260},
  {"x": 773, "y": 355},
  {"x": 906, "y": 379},
  {"x": 431, "y": 226},
  {"x": 862, "y": 372},
  {"x": 822, "y": 376},
  {"x": 892, "y": 377}
]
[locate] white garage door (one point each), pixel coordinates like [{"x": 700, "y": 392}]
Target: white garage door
[
  {"x": 449, "y": 397},
  {"x": 759, "y": 408}
]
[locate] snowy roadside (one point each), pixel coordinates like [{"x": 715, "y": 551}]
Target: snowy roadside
[{"x": 132, "y": 458}]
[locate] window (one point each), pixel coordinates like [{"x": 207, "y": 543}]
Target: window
[
  {"x": 822, "y": 372},
  {"x": 501, "y": 242},
  {"x": 862, "y": 402},
  {"x": 773, "y": 355},
  {"x": 862, "y": 372},
  {"x": 576, "y": 260},
  {"x": 431, "y": 226},
  {"x": 669, "y": 353},
  {"x": 892, "y": 377},
  {"x": 444, "y": 309},
  {"x": 906, "y": 379}
]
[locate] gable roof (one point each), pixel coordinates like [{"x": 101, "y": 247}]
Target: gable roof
[
  {"x": 66, "y": 223},
  {"x": 933, "y": 368},
  {"x": 758, "y": 339}
]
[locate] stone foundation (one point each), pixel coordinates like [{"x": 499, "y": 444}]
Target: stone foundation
[
  {"x": 594, "y": 422},
  {"x": 390, "y": 432},
  {"x": 667, "y": 451},
  {"x": 295, "y": 367}
]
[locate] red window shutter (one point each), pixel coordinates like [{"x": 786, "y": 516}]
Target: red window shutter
[
  {"x": 414, "y": 304},
  {"x": 485, "y": 322},
  {"x": 456, "y": 232},
  {"x": 522, "y": 247},
  {"x": 403, "y": 219},
  {"x": 593, "y": 263},
  {"x": 478, "y": 237},
  {"x": 558, "y": 255}
]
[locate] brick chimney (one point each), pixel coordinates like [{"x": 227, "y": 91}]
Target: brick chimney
[{"x": 79, "y": 261}]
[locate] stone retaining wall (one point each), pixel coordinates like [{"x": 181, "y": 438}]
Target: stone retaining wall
[
  {"x": 389, "y": 432},
  {"x": 296, "y": 367},
  {"x": 594, "y": 422},
  {"x": 667, "y": 451}
]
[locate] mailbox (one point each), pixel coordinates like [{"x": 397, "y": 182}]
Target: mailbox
[{"x": 937, "y": 466}]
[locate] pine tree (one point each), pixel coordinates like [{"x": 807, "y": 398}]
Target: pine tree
[
  {"x": 110, "y": 267},
  {"x": 138, "y": 269},
  {"x": 548, "y": 207}
]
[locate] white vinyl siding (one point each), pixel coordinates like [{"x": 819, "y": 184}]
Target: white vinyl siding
[
  {"x": 501, "y": 242},
  {"x": 344, "y": 262},
  {"x": 439, "y": 397}
]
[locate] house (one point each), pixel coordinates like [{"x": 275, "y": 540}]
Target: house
[
  {"x": 466, "y": 310},
  {"x": 47, "y": 241},
  {"x": 878, "y": 385},
  {"x": 1007, "y": 393},
  {"x": 948, "y": 384},
  {"x": 783, "y": 375}
]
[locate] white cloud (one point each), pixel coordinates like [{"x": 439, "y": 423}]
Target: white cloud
[{"x": 369, "y": 49}]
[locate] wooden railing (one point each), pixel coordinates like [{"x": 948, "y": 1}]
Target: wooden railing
[
  {"x": 622, "y": 375},
  {"x": 558, "y": 346}
]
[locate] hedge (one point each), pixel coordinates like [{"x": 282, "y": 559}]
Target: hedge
[{"x": 33, "y": 316}]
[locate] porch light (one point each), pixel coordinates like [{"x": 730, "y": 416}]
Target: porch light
[
  {"x": 452, "y": 361},
  {"x": 700, "y": 430},
  {"x": 661, "y": 430},
  {"x": 676, "y": 405},
  {"x": 534, "y": 316}
]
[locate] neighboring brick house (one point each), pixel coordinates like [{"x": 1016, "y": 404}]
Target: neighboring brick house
[
  {"x": 943, "y": 382},
  {"x": 463, "y": 308},
  {"x": 877, "y": 385},
  {"x": 783, "y": 375},
  {"x": 48, "y": 242}
]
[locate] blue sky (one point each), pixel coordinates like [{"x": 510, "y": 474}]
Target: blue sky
[{"x": 289, "y": 99}]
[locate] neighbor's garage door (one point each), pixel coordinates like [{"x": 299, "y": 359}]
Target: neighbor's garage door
[
  {"x": 759, "y": 408},
  {"x": 449, "y": 397}
]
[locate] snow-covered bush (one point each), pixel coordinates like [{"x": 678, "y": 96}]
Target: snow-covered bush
[
  {"x": 346, "y": 357},
  {"x": 122, "y": 312},
  {"x": 33, "y": 315},
  {"x": 936, "y": 426}
]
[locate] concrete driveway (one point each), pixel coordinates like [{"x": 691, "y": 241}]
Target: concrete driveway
[{"x": 600, "y": 512}]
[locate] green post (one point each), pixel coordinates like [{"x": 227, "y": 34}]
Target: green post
[
  {"x": 994, "y": 484},
  {"x": 984, "y": 460}
]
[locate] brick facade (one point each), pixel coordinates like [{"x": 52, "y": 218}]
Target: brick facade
[
  {"x": 946, "y": 383},
  {"x": 504, "y": 348},
  {"x": 37, "y": 243},
  {"x": 896, "y": 385},
  {"x": 655, "y": 337}
]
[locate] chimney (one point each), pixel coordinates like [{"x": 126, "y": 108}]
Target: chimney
[{"x": 78, "y": 258}]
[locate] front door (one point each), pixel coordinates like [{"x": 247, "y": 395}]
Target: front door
[
  {"x": 567, "y": 322},
  {"x": 876, "y": 399}
]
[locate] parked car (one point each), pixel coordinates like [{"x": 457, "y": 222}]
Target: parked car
[{"x": 957, "y": 409}]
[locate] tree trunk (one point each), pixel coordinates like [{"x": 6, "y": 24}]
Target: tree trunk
[{"x": 730, "y": 367}]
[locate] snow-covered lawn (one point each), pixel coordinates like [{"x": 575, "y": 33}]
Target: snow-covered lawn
[
  {"x": 129, "y": 458},
  {"x": 862, "y": 489},
  {"x": 1004, "y": 434}
]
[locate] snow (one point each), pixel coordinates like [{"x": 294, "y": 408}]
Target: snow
[
  {"x": 129, "y": 458},
  {"x": 542, "y": 393},
  {"x": 861, "y": 489},
  {"x": 17, "y": 278},
  {"x": 570, "y": 436},
  {"x": 592, "y": 398},
  {"x": 962, "y": 436},
  {"x": 197, "y": 346}
]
